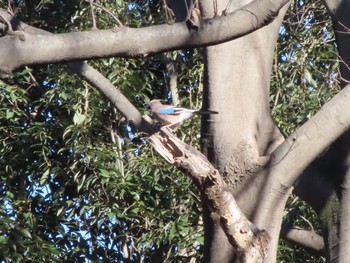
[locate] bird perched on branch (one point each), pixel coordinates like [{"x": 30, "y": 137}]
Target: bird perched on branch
[{"x": 173, "y": 116}]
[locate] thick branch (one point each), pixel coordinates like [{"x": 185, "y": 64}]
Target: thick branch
[
  {"x": 307, "y": 239},
  {"x": 309, "y": 141},
  {"x": 134, "y": 42},
  {"x": 241, "y": 233},
  {"x": 298, "y": 151},
  {"x": 344, "y": 252},
  {"x": 339, "y": 11},
  {"x": 172, "y": 78},
  {"x": 97, "y": 80}
]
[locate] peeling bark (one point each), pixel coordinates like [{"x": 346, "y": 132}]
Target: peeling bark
[
  {"x": 241, "y": 233},
  {"x": 236, "y": 84}
]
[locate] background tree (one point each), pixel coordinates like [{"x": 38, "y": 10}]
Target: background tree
[{"x": 79, "y": 183}]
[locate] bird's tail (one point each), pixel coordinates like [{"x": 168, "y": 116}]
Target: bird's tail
[{"x": 203, "y": 112}]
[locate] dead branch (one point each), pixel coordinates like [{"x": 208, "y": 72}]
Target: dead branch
[{"x": 241, "y": 233}]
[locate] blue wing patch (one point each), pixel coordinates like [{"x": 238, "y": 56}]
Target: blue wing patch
[{"x": 167, "y": 111}]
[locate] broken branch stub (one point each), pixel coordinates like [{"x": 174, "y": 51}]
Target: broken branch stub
[{"x": 241, "y": 233}]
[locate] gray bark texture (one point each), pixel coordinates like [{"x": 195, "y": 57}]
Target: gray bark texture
[
  {"x": 95, "y": 78},
  {"x": 241, "y": 234},
  {"x": 237, "y": 80},
  {"x": 237, "y": 88},
  {"x": 20, "y": 48},
  {"x": 306, "y": 238},
  {"x": 337, "y": 220}
]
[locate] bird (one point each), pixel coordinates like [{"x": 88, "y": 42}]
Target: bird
[{"x": 173, "y": 116}]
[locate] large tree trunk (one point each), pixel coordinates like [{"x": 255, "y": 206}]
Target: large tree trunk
[
  {"x": 336, "y": 212},
  {"x": 236, "y": 84}
]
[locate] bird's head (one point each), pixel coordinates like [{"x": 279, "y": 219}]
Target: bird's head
[{"x": 155, "y": 105}]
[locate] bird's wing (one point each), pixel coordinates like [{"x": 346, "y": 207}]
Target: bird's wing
[
  {"x": 168, "y": 110},
  {"x": 182, "y": 110}
]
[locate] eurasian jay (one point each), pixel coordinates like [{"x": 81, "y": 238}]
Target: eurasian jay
[{"x": 173, "y": 116}]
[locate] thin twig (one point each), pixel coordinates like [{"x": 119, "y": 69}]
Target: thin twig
[
  {"x": 169, "y": 13},
  {"x": 120, "y": 24},
  {"x": 9, "y": 26},
  {"x": 93, "y": 15}
]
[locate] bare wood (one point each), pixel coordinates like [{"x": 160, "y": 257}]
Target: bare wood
[{"x": 241, "y": 233}]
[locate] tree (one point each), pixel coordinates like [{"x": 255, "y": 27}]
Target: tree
[{"x": 56, "y": 138}]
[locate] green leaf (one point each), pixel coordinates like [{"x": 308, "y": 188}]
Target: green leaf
[
  {"x": 44, "y": 177},
  {"x": 78, "y": 118},
  {"x": 172, "y": 232},
  {"x": 59, "y": 211},
  {"x": 104, "y": 173},
  {"x": 309, "y": 78},
  {"x": 9, "y": 114},
  {"x": 200, "y": 240},
  {"x": 24, "y": 232},
  {"x": 64, "y": 95}
]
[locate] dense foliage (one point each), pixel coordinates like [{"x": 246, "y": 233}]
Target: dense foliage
[{"x": 78, "y": 184}]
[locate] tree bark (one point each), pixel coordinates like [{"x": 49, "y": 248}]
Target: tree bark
[
  {"x": 236, "y": 84},
  {"x": 339, "y": 230},
  {"x": 298, "y": 151},
  {"x": 242, "y": 235},
  {"x": 307, "y": 239},
  {"x": 96, "y": 79},
  {"x": 19, "y": 48}
]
